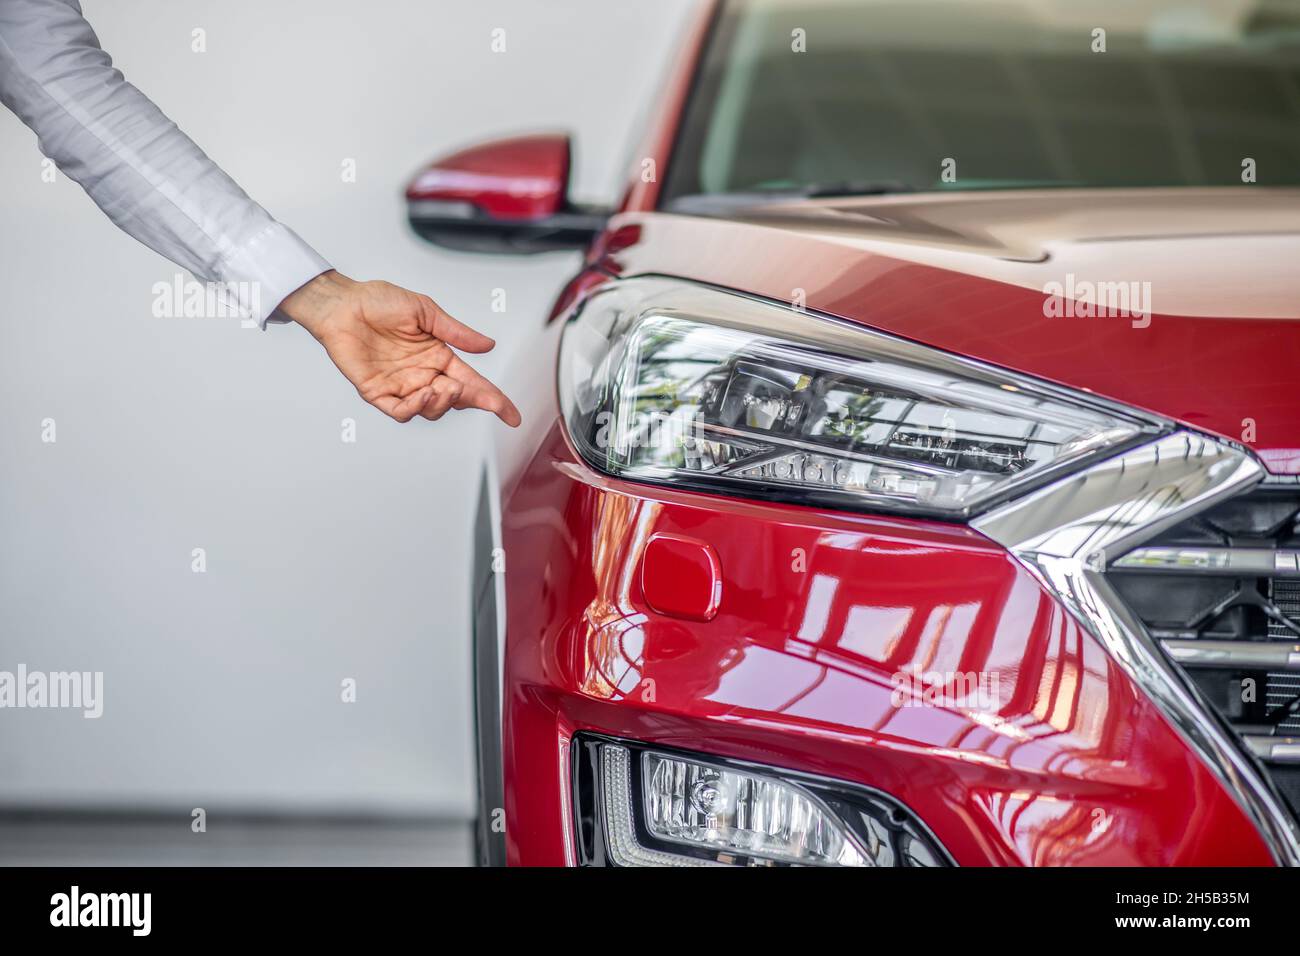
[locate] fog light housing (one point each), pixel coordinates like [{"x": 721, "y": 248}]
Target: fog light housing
[{"x": 639, "y": 805}]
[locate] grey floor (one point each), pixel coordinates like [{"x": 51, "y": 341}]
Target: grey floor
[{"x": 34, "y": 839}]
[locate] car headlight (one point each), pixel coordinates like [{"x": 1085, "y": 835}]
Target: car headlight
[{"x": 668, "y": 382}]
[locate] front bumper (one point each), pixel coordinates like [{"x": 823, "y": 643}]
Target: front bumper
[{"x": 838, "y": 649}]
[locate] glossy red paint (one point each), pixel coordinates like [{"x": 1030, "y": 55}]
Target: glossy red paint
[
  {"x": 519, "y": 179},
  {"x": 680, "y": 577},
  {"x": 805, "y": 665},
  {"x": 1070, "y": 765},
  {"x": 829, "y": 622}
]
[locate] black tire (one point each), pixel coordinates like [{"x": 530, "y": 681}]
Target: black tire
[{"x": 489, "y": 839}]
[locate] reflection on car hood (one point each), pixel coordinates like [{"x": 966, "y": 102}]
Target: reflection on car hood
[{"x": 1211, "y": 252}]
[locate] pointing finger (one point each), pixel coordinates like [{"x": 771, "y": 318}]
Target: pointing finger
[{"x": 480, "y": 393}]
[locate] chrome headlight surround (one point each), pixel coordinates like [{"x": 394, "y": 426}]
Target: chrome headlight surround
[{"x": 689, "y": 386}]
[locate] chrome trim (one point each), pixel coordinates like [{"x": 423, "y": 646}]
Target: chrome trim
[
  {"x": 1066, "y": 533},
  {"x": 1283, "y": 750},
  {"x": 1252, "y": 655},
  {"x": 1233, "y": 562}
]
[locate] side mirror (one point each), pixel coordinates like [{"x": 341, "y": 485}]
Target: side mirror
[{"x": 506, "y": 196}]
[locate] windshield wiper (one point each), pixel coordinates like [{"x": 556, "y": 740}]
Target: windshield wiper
[
  {"x": 853, "y": 187},
  {"x": 726, "y": 202}
]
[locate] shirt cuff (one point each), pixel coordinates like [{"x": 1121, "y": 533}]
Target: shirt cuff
[{"x": 262, "y": 272}]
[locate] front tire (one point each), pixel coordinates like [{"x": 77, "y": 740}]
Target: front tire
[{"x": 489, "y": 838}]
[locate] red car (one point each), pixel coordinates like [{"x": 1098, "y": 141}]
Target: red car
[{"x": 910, "y": 474}]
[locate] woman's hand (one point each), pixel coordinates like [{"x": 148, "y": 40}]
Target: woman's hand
[{"x": 395, "y": 346}]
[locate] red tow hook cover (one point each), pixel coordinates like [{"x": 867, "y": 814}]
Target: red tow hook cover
[{"x": 681, "y": 577}]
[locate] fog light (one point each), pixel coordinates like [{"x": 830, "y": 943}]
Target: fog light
[
  {"x": 674, "y": 809},
  {"x": 700, "y": 805}
]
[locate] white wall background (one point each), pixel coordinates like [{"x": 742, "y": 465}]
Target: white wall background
[{"x": 325, "y": 560}]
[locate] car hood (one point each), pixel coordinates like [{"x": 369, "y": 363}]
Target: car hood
[{"x": 1185, "y": 302}]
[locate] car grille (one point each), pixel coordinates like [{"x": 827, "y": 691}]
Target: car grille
[
  {"x": 1284, "y": 686},
  {"x": 1220, "y": 594}
]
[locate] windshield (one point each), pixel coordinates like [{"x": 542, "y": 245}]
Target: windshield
[{"x": 830, "y": 97}]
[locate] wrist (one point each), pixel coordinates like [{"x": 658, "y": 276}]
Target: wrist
[{"x": 311, "y": 304}]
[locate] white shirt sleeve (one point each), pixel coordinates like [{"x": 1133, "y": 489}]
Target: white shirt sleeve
[{"x": 144, "y": 173}]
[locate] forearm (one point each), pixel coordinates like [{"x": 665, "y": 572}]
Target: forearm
[{"x": 143, "y": 172}]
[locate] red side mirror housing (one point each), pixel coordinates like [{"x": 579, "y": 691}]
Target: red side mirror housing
[{"x": 505, "y": 196}]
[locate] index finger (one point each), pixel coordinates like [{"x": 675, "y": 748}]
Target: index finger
[{"x": 478, "y": 392}]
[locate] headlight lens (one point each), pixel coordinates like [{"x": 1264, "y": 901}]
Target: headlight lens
[{"x": 672, "y": 383}]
